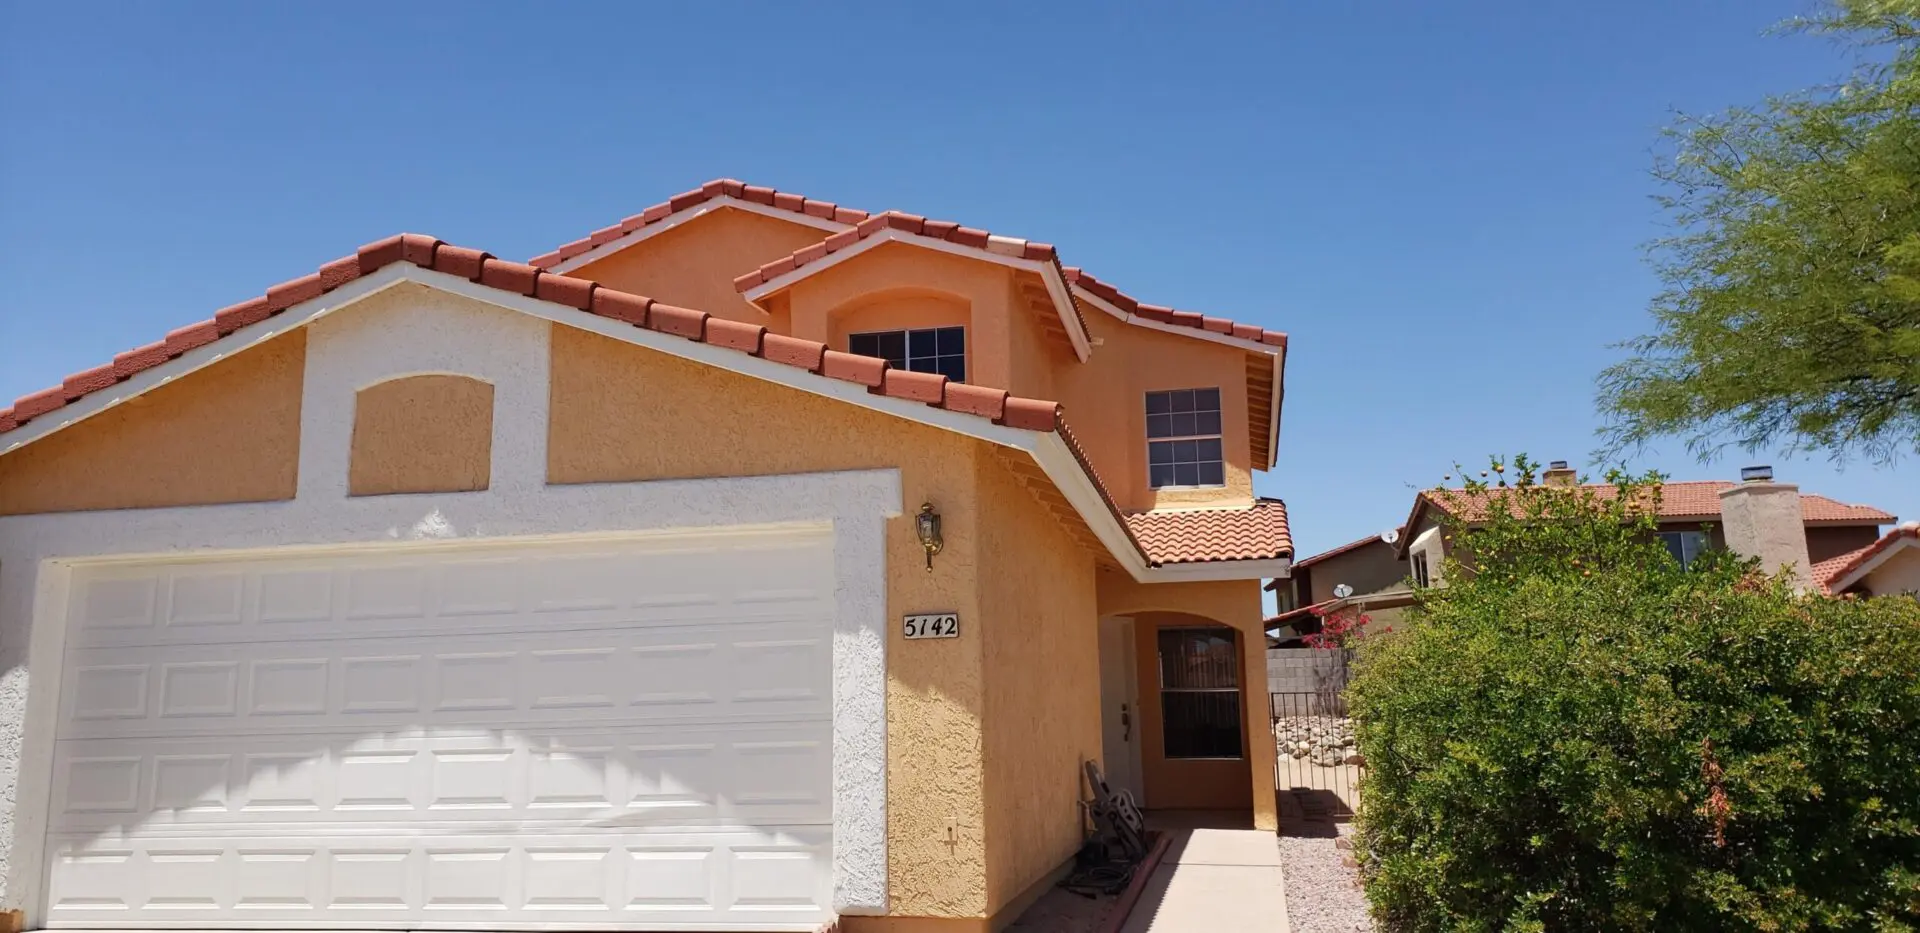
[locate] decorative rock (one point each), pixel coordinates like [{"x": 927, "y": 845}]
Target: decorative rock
[
  {"x": 1344, "y": 843},
  {"x": 1357, "y": 760}
]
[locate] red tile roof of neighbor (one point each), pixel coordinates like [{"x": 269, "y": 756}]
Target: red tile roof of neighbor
[
  {"x": 1834, "y": 569},
  {"x": 877, "y": 375},
  {"x": 872, "y": 223},
  {"x": 1685, "y": 500}
]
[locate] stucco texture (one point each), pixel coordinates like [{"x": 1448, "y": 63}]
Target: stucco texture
[
  {"x": 694, "y": 264},
  {"x": 1129, "y": 362},
  {"x": 1039, "y": 618},
  {"x": 229, "y": 432},
  {"x": 1200, "y": 784},
  {"x": 1899, "y": 573},
  {"x": 429, "y": 433},
  {"x": 620, "y": 413}
]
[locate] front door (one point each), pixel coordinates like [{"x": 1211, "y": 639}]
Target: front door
[{"x": 1120, "y": 706}]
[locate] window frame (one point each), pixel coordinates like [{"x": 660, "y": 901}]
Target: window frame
[
  {"x": 1220, "y": 437},
  {"x": 1422, "y": 573},
  {"x": 1232, "y": 637},
  {"x": 906, "y": 348},
  {"x": 1684, "y": 535}
]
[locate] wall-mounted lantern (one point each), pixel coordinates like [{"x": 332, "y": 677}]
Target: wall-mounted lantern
[{"x": 927, "y": 526}]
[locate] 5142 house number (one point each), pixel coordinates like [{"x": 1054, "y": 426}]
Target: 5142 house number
[{"x": 933, "y": 625}]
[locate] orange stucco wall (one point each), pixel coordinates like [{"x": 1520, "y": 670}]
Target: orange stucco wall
[
  {"x": 430, "y": 433},
  {"x": 1130, "y": 362},
  {"x": 899, "y": 286},
  {"x": 620, "y": 412},
  {"x": 694, "y": 264},
  {"x": 227, "y": 433},
  {"x": 1203, "y": 784},
  {"x": 1042, "y": 660}
]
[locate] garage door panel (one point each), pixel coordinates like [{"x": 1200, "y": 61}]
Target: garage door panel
[
  {"x": 741, "y": 672},
  {"x": 720, "y": 580},
  {"x": 614, "y": 735},
  {"x": 710, "y": 774},
  {"x": 632, "y": 880}
]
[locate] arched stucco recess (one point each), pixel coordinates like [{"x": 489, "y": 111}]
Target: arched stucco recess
[
  {"x": 816, "y": 301},
  {"x": 1234, "y": 603},
  {"x": 422, "y": 432}
]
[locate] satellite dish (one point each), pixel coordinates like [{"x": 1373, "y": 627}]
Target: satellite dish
[
  {"x": 1390, "y": 535},
  {"x": 1342, "y": 591}
]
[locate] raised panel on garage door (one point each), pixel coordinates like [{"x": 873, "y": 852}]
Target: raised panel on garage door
[{"x": 632, "y": 734}]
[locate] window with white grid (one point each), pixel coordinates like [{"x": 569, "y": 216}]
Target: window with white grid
[
  {"x": 1183, "y": 438},
  {"x": 940, "y": 350}
]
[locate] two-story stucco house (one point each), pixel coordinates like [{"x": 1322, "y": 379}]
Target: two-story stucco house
[{"x": 752, "y": 563}]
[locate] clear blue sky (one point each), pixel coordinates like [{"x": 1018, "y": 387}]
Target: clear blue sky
[{"x": 1443, "y": 204}]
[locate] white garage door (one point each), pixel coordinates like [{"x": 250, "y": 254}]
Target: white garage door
[{"x": 630, "y": 734}]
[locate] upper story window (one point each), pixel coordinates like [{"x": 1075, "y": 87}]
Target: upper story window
[
  {"x": 1421, "y": 575},
  {"x": 940, "y": 350},
  {"x": 1183, "y": 438},
  {"x": 1685, "y": 546}
]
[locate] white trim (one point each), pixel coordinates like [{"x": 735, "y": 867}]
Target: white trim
[
  {"x": 681, "y": 218},
  {"x": 1865, "y": 570},
  {"x": 37, "y": 552},
  {"x": 1048, "y": 449},
  {"x": 1197, "y": 333},
  {"x": 1048, "y": 273},
  {"x": 1273, "y": 409},
  {"x": 94, "y": 403}
]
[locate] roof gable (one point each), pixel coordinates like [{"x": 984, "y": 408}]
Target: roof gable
[
  {"x": 1835, "y": 574},
  {"x": 836, "y": 218},
  {"x": 1033, "y": 425}
]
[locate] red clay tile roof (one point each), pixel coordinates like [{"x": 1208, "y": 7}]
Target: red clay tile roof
[
  {"x": 640, "y": 311},
  {"x": 951, "y": 232},
  {"x": 1258, "y": 532},
  {"x": 1694, "y": 500},
  {"x": 1165, "y": 315},
  {"x": 1834, "y": 569},
  {"x": 1181, "y": 541},
  {"x": 756, "y": 194},
  {"x": 906, "y": 223}
]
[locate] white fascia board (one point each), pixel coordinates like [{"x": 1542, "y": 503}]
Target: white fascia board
[
  {"x": 1252, "y": 346},
  {"x": 96, "y": 402},
  {"x": 730, "y": 359},
  {"x": 1273, "y": 412},
  {"x": 1873, "y": 563},
  {"x": 702, "y": 209},
  {"x": 1061, "y": 466},
  {"x": 1048, "y": 273},
  {"x": 1214, "y": 570}
]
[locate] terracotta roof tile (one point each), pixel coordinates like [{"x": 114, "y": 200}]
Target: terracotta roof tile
[
  {"x": 867, "y": 224},
  {"x": 1258, "y": 532},
  {"x": 1083, "y": 279},
  {"x": 1830, "y": 571},
  {"x": 1697, "y": 500},
  {"x": 727, "y": 187},
  {"x": 520, "y": 278}
]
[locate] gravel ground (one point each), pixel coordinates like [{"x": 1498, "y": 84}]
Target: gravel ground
[{"x": 1323, "y": 895}]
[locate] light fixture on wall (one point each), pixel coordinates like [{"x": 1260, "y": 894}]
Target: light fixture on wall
[{"x": 927, "y": 526}]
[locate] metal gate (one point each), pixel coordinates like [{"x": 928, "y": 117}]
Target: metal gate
[{"x": 1319, "y": 761}]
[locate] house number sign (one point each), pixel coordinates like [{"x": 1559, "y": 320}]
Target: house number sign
[{"x": 933, "y": 625}]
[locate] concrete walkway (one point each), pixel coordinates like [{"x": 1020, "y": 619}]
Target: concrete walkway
[{"x": 1217, "y": 877}]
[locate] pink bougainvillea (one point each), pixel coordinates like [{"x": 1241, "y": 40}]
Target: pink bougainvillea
[{"x": 1339, "y": 628}]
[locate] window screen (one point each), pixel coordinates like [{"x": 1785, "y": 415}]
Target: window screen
[
  {"x": 940, "y": 350},
  {"x": 1183, "y": 438},
  {"x": 1199, "y": 693}
]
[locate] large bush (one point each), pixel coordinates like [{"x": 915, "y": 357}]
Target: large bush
[{"x": 1578, "y": 734}]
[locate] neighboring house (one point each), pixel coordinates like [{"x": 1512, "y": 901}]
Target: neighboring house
[
  {"x": 1887, "y": 567},
  {"x": 436, "y": 591},
  {"x": 1370, "y": 572},
  {"x": 1756, "y": 517}
]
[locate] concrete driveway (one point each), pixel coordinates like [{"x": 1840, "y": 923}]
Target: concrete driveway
[{"x": 1218, "y": 876}]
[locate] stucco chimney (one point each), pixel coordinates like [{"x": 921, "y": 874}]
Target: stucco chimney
[
  {"x": 1559, "y": 474},
  {"x": 1762, "y": 518}
]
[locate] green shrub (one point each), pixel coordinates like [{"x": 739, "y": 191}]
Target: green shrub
[{"x": 1581, "y": 735}]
